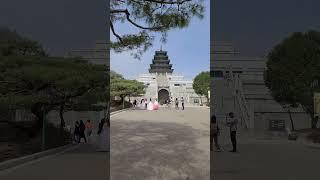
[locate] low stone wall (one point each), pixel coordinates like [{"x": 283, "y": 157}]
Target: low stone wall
[{"x": 70, "y": 117}]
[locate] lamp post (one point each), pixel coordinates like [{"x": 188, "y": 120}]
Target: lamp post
[
  {"x": 316, "y": 102},
  {"x": 43, "y": 144}
]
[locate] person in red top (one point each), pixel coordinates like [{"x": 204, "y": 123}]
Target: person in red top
[{"x": 89, "y": 127}]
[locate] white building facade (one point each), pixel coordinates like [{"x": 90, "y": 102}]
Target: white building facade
[
  {"x": 163, "y": 85},
  {"x": 238, "y": 86}
]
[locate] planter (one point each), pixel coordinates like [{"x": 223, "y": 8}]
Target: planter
[{"x": 292, "y": 137}]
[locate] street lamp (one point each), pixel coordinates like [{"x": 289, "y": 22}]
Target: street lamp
[
  {"x": 316, "y": 102},
  {"x": 43, "y": 144}
]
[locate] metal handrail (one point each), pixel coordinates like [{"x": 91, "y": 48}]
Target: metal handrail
[{"x": 244, "y": 109}]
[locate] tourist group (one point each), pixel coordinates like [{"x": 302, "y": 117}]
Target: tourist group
[{"x": 151, "y": 105}]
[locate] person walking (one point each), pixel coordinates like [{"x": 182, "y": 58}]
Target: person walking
[
  {"x": 232, "y": 122},
  {"x": 182, "y": 103},
  {"x": 215, "y": 132},
  {"x": 89, "y": 128},
  {"x": 145, "y": 104},
  {"x": 76, "y": 132},
  {"x": 134, "y": 104},
  {"x": 177, "y": 103},
  {"x": 82, "y": 129}
]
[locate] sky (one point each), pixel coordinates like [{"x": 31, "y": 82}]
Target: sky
[
  {"x": 58, "y": 25},
  {"x": 253, "y": 26},
  {"x": 188, "y": 50}
]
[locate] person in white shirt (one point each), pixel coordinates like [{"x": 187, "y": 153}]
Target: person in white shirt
[{"x": 232, "y": 122}]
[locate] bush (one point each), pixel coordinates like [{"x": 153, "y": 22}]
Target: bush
[{"x": 314, "y": 137}]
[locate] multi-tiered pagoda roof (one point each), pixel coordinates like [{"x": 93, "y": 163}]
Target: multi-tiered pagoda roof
[{"x": 161, "y": 63}]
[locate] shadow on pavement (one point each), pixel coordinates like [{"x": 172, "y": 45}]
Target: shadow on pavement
[
  {"x": 82, "y": 163},
  {"x": 146, "y": 150}
]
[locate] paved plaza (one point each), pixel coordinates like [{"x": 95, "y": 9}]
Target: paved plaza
[
  {"x": 81, "y": 163},
  {"x": 265, "y": 157},
  {"x": 164, "y": 144},
  {"x": 174, "y": 144}
]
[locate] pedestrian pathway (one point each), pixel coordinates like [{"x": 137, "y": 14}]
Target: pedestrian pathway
[
  {"x": 163, "y": 144},
  {"x": 264, "y": 156},
  {"x": 82, "y": 163}
]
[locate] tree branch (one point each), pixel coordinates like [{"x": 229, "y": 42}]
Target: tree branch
[
  {"x": 168, "y": 2},
  {"x": 126, "y": 12},
  {"x": 114, "y": 32}
]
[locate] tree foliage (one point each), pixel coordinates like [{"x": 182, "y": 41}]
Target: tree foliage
[
  {"x": 291, "y": 68},
  {"x": 201, "y": 84},
  {"x": 12, "y": 44},
  {"x": 43, "y": 84},
  {"x": 147, "y": 17},
  {"x": 29, "y": 79},
  {"x": 122, "y": 88}
]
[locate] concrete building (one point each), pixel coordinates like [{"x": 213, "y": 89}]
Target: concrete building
[
  {"x": 100, "y": 54},
  {"x": 162, "y": 84},
  {"x": 238, "y": 86}
]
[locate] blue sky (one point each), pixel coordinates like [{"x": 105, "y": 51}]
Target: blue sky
[{"x": 188, "y": 50}]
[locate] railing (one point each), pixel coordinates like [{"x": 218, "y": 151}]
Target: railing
[{"x": 240, "y": 98}]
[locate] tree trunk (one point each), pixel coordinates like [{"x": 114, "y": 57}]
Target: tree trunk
[
  {"x": 62, "y": 121},
  {"x": 292, "y": 125},
  {"x": 37, "y": 110},
  {"x": 314, "y": 122},
  {"x": 122, "y": 99}
]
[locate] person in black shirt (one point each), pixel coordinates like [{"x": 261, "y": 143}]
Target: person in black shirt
[
  {"x": 82, "y": 129},
  {"x": 214, "y": 133},
  {"x": 182, "y": 103},
  {"x": 177, "y": 103},
  {"x": 76, "y": 132}
]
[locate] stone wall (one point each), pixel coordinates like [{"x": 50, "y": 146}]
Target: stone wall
[{"x": 70, "y": 117}]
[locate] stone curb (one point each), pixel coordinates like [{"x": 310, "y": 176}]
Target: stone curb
[
  {"x": 119, "y": 111},
  {"x": 25, "y": 159}
]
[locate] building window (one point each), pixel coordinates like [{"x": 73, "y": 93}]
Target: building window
[
  {"x": 277, "y": 125},
  {"x": 148, "y": 84},
  {"x": 216, "y": 73},
  {"x": 176, "y": 84},
  {"x": 196, "y": 101}
]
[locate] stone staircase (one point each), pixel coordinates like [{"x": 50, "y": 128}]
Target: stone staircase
[
  {"x": 244, "y": 109},
  {"x": 228, "y": 96}
]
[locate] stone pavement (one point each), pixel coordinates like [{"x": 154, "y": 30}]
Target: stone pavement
[
  {"x": 164, "y": 144},
  {"x": 81, "y": 163},
  {"x": 265, "y": 157}
]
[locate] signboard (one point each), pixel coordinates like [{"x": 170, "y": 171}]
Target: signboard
[{"x": 316, "y": 100}]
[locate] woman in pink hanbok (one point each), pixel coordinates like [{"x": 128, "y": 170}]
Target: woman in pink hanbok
[{"x": 156, "y": 105}]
